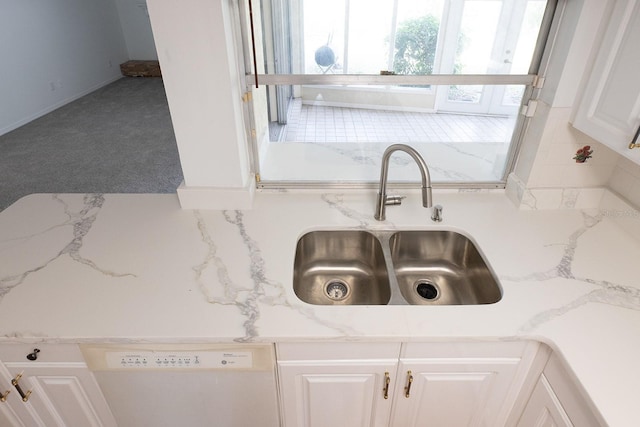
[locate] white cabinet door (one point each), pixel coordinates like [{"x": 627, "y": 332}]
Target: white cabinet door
[
  {"x": 8, "y": 416},
  {"x": 13, "y": 411},
  {"x": 544, "y": 409},
  {"x": 63, "y": 392},
  {"x": 460, "y": 383},
  {"x": 610, "y": 108},
  {"x": 337, "y": 384},
  {"x": 441, "y": 392},
  {"x": 336, "y": 393}
]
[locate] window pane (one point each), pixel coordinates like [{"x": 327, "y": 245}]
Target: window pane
[
  {"x": 527, "y": 36},
  {"x": 324, "y": 35},
  {"x": 368, "y": 41},
  {"x": 338, "y": 133},
  {"x": 478, "y": 29},
  {"x": 409, "y": 36},
  {"x": 470, "y": 94},
  {"x": 323, "y": 142},
  {"x": 416, "y": 43}
]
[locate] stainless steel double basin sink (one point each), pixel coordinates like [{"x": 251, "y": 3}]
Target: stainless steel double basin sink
[{"x": 418, "y": 267}]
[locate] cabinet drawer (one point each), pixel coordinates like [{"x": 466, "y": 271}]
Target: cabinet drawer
[
  {"x": 337, "y": 351},
  {"x": 465, "y": 349},
  {"x": 48, "y": 353}
]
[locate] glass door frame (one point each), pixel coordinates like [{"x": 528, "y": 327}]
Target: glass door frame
[{"x": 510, "y": 20}]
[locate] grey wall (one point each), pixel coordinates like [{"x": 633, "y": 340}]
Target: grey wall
[
  {"x": 55, "y": 51},
  {"x": 136, "y": 27}
]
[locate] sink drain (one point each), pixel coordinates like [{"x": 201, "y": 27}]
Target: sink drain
[
  {"x": 427, "y": 289},
  {"x": 337, "y": 290}
]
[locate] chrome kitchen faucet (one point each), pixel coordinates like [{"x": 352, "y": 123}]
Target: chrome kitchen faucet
[{"x": 384, "y": 200}]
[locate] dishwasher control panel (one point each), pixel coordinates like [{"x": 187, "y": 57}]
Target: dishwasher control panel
[{"x": 206, "y": 359}]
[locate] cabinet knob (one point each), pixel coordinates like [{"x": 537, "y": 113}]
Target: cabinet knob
[{"x": 34, "y": 354}]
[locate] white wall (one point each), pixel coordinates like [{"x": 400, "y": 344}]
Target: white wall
[
  {"x": 545, "y": 165},
  {"x": 136, "y": 26},
  {"x": 54, "y": 51},
  {"x": 626, "y": 180},
  {"x": 195, "y": 40}
]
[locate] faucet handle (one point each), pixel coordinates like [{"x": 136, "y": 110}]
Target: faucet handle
[
  {"x": 436, "y": 213},
  {"x": 393, "y": 200}
]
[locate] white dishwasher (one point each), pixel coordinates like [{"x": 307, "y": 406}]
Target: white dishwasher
[{"x": 188, "y": 385}]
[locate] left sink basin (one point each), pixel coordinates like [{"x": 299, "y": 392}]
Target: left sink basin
[{"x": 341, "y": 267}]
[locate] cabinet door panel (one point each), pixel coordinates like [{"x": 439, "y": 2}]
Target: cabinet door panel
[
  {"x": 64, "y": 400},
  {"x": 14, "y": 412},
  {"x": 544, "y": 408},
  {"x": 462, "y": 392},
  {"x": 64, "y": 394},
  {"x": 340, "y": 393},
  {"x": 452, "y": 399},
  {"x": 8, "y": 416}
]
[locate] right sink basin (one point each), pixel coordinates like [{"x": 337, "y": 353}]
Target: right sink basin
[{"x": 441, "y": 267}]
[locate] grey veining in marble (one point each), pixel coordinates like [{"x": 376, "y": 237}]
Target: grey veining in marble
[
  {"x": 457, "y": 149},
  {"x": 359, "y": 156},
  {"x": 212, "y": 260},
  {"x": 610, "y": 294},
  {"x": 529, "y": 199},
  {"x": 263, "y": 290},
  {"x": 563, "y": 268},
  {"x": 81, "y": 221},
  {"x": 448, "y": 174},
  {"x": 336, "y": 202},
  {"x": 606, "y": 292},
  {"x": 569, "y": 198}
]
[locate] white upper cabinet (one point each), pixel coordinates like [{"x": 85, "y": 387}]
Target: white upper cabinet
[{"x": 609, "y": 110}]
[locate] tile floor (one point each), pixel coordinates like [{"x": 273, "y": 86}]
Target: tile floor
[{"x": 310, "y": 123}]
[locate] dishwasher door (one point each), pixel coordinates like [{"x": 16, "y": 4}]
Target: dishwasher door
[{"x": 187, "y": 385}]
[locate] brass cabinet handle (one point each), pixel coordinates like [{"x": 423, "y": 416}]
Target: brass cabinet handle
[
  {"x": 385, "y": 389},
  {"x": 3, "y": 397},
  {"x": 407, "y": 389},
  {"x": 23, "y": 395},
  {"x": 634, "y": 141}
]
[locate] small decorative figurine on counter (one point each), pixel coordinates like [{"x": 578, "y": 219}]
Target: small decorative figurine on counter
[{"x": 583, "y": 154}]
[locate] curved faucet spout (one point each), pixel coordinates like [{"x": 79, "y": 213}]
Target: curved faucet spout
[{"x": 384, "y": 172}]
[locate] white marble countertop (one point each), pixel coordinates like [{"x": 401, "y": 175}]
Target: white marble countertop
[{"x": 137, "y": 268}]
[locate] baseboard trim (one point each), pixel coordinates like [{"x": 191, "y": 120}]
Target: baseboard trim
[
  {"x": 217, "y": 198},
  {"x": 50, "y": 108}
]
